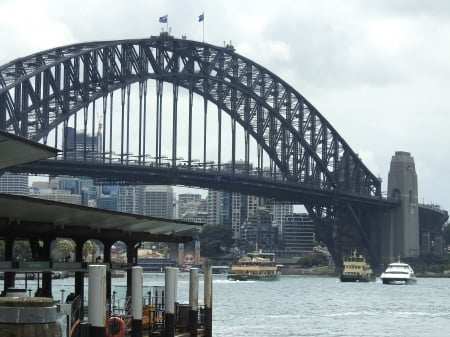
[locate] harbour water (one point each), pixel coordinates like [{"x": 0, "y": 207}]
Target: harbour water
[{"x": 313, "y": 306}]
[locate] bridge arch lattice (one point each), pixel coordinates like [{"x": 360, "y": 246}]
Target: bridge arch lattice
[
  {"x": 43, "y": 90},
  {"x": 48, "y": 93}
]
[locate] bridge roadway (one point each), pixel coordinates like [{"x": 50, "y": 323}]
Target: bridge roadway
[
  {"x": 430, "y": 217},
  {"x": 208, "y": 178}
]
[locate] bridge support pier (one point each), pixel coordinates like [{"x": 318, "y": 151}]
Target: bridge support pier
[{"x": 402, "y": 233}]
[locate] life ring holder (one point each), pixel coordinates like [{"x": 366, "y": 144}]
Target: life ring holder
[{"x": 115, "y": 327}]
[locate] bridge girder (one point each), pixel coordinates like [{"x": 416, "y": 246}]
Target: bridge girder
[{"x": 43, "y": 90}]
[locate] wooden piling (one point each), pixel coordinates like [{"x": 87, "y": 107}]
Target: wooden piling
[
  {"x": 193, "y": 301},
  {"x": 136, "y": 301},
  {"x": 170, "y": 298},
  {"x": 208, "y": 291},
  {"x": 97, "y": 300}
]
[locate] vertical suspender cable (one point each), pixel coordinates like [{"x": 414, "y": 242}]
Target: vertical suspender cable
[
  {"x": 85, "y": 114},
  {"x": 94, "y": 152},
  {"x": 103, "y": 154},
  {"x": 174, "y": 123},
  {"x": 205, "y": 126},
  {"x": 75, "y": 147},
  {"x": 144, "y": 122},
  {"x": 141, "y": 84},
  {"x": 111, "y": 109},
  {"x": 128, "y": 123},
  {"x": 190, "y": 125},
  {"x": 122, "y": 126}
]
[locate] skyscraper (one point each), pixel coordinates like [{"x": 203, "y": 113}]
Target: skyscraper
[
  {"x": 14, "y": 183},
  {"x": 158, "y": 201},
  {"x": 298, "y": 233}
]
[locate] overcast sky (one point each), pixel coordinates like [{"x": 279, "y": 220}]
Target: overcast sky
[{"x": 379, "y": 71}]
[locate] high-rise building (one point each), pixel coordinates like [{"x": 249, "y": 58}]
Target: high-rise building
[
  {"x": 188, "y": 202},
  {"x": 56, "y": 195},
  {"x": 80, "y": 145},
  {"x": 129, "y": 199},
  {"x": 14, "y": 183},
  {"x": 279, "y": 212},
  {"x": 88, "y": 191},
  {"x": 108, "y": 202},
  {"x": 298, "y": 233},
  {"x": 259, "y": 231},
  {"x": 227, "y": 208},
  {"x": 158, "y": 201},
  {"x": 214, "y": 207}
]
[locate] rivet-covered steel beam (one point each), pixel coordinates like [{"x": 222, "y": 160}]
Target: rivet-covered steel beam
[{"x": 43, "y": 90}]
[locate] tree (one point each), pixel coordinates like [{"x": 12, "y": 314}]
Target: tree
[
  {"x": 215, "y": 240},
  {"x": 22, "y": 250},
  {"x": 89, "y": 248},
  {"x": 64, "y": 247}
]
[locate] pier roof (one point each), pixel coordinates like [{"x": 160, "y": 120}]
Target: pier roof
[
  {"x": 15, "y": 150},
  {"x": 23, "y": 216},
  {"x": 26, "y": 217}
]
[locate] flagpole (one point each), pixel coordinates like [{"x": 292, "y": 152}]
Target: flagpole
[{"x": 203, "y": 39}]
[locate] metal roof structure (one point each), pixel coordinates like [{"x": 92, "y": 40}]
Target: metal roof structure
[
  {"x": 15, "y": 150},
  {"x": 22, "y": 216},
  {"x": 26, "y": 217}
]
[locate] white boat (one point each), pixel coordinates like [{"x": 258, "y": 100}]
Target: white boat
[{"x": 398, "y": 273}]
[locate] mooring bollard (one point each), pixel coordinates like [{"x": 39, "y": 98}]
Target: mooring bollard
[
  {"x": 170, "y": 298},
  {"x": 136, "y": 301},
  {"x": 97, "y": 300},
  {"x": 28, "y": 316},
  {"x": 193, "y": 301},
  {"x": 208, "y": 291}
]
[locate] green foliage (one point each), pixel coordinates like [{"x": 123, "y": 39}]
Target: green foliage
[
  {"x": 311, "y": 260},
  {"x": 216, "y": 240},
  {"x": 22, "y": 250},
  {"x": 429, "y": 263},
  {"x": 63, "y": 248},
  {"x": 90, "y": 248}
]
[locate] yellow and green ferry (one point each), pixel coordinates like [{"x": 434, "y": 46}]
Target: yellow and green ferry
[
  {"x": 257, "y": 266},
  {"x": 356, "y": 269}
]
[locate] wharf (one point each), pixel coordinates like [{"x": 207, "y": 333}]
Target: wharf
[
  {"x": 42, "y": 222},
  {"x": 200, "y": 333}
]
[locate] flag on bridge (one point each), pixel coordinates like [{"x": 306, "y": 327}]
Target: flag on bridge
[
  {"x": 201, "y": 18},
  {"x": 164, "y": 19}
]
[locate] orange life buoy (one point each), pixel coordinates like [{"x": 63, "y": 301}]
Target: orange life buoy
[{"x": 115, "y": 327}]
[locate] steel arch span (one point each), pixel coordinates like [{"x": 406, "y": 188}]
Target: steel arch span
[{"x": 285, "y": 142}]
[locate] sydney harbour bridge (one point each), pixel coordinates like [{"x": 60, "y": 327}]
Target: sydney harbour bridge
[{"x": 163, "y": 110}]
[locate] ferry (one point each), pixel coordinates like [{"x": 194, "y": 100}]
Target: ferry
[
  {"x": 356, "y": 269},
  {"x": 398, "y": 273},
  {"x": 257, "y": 266}
]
